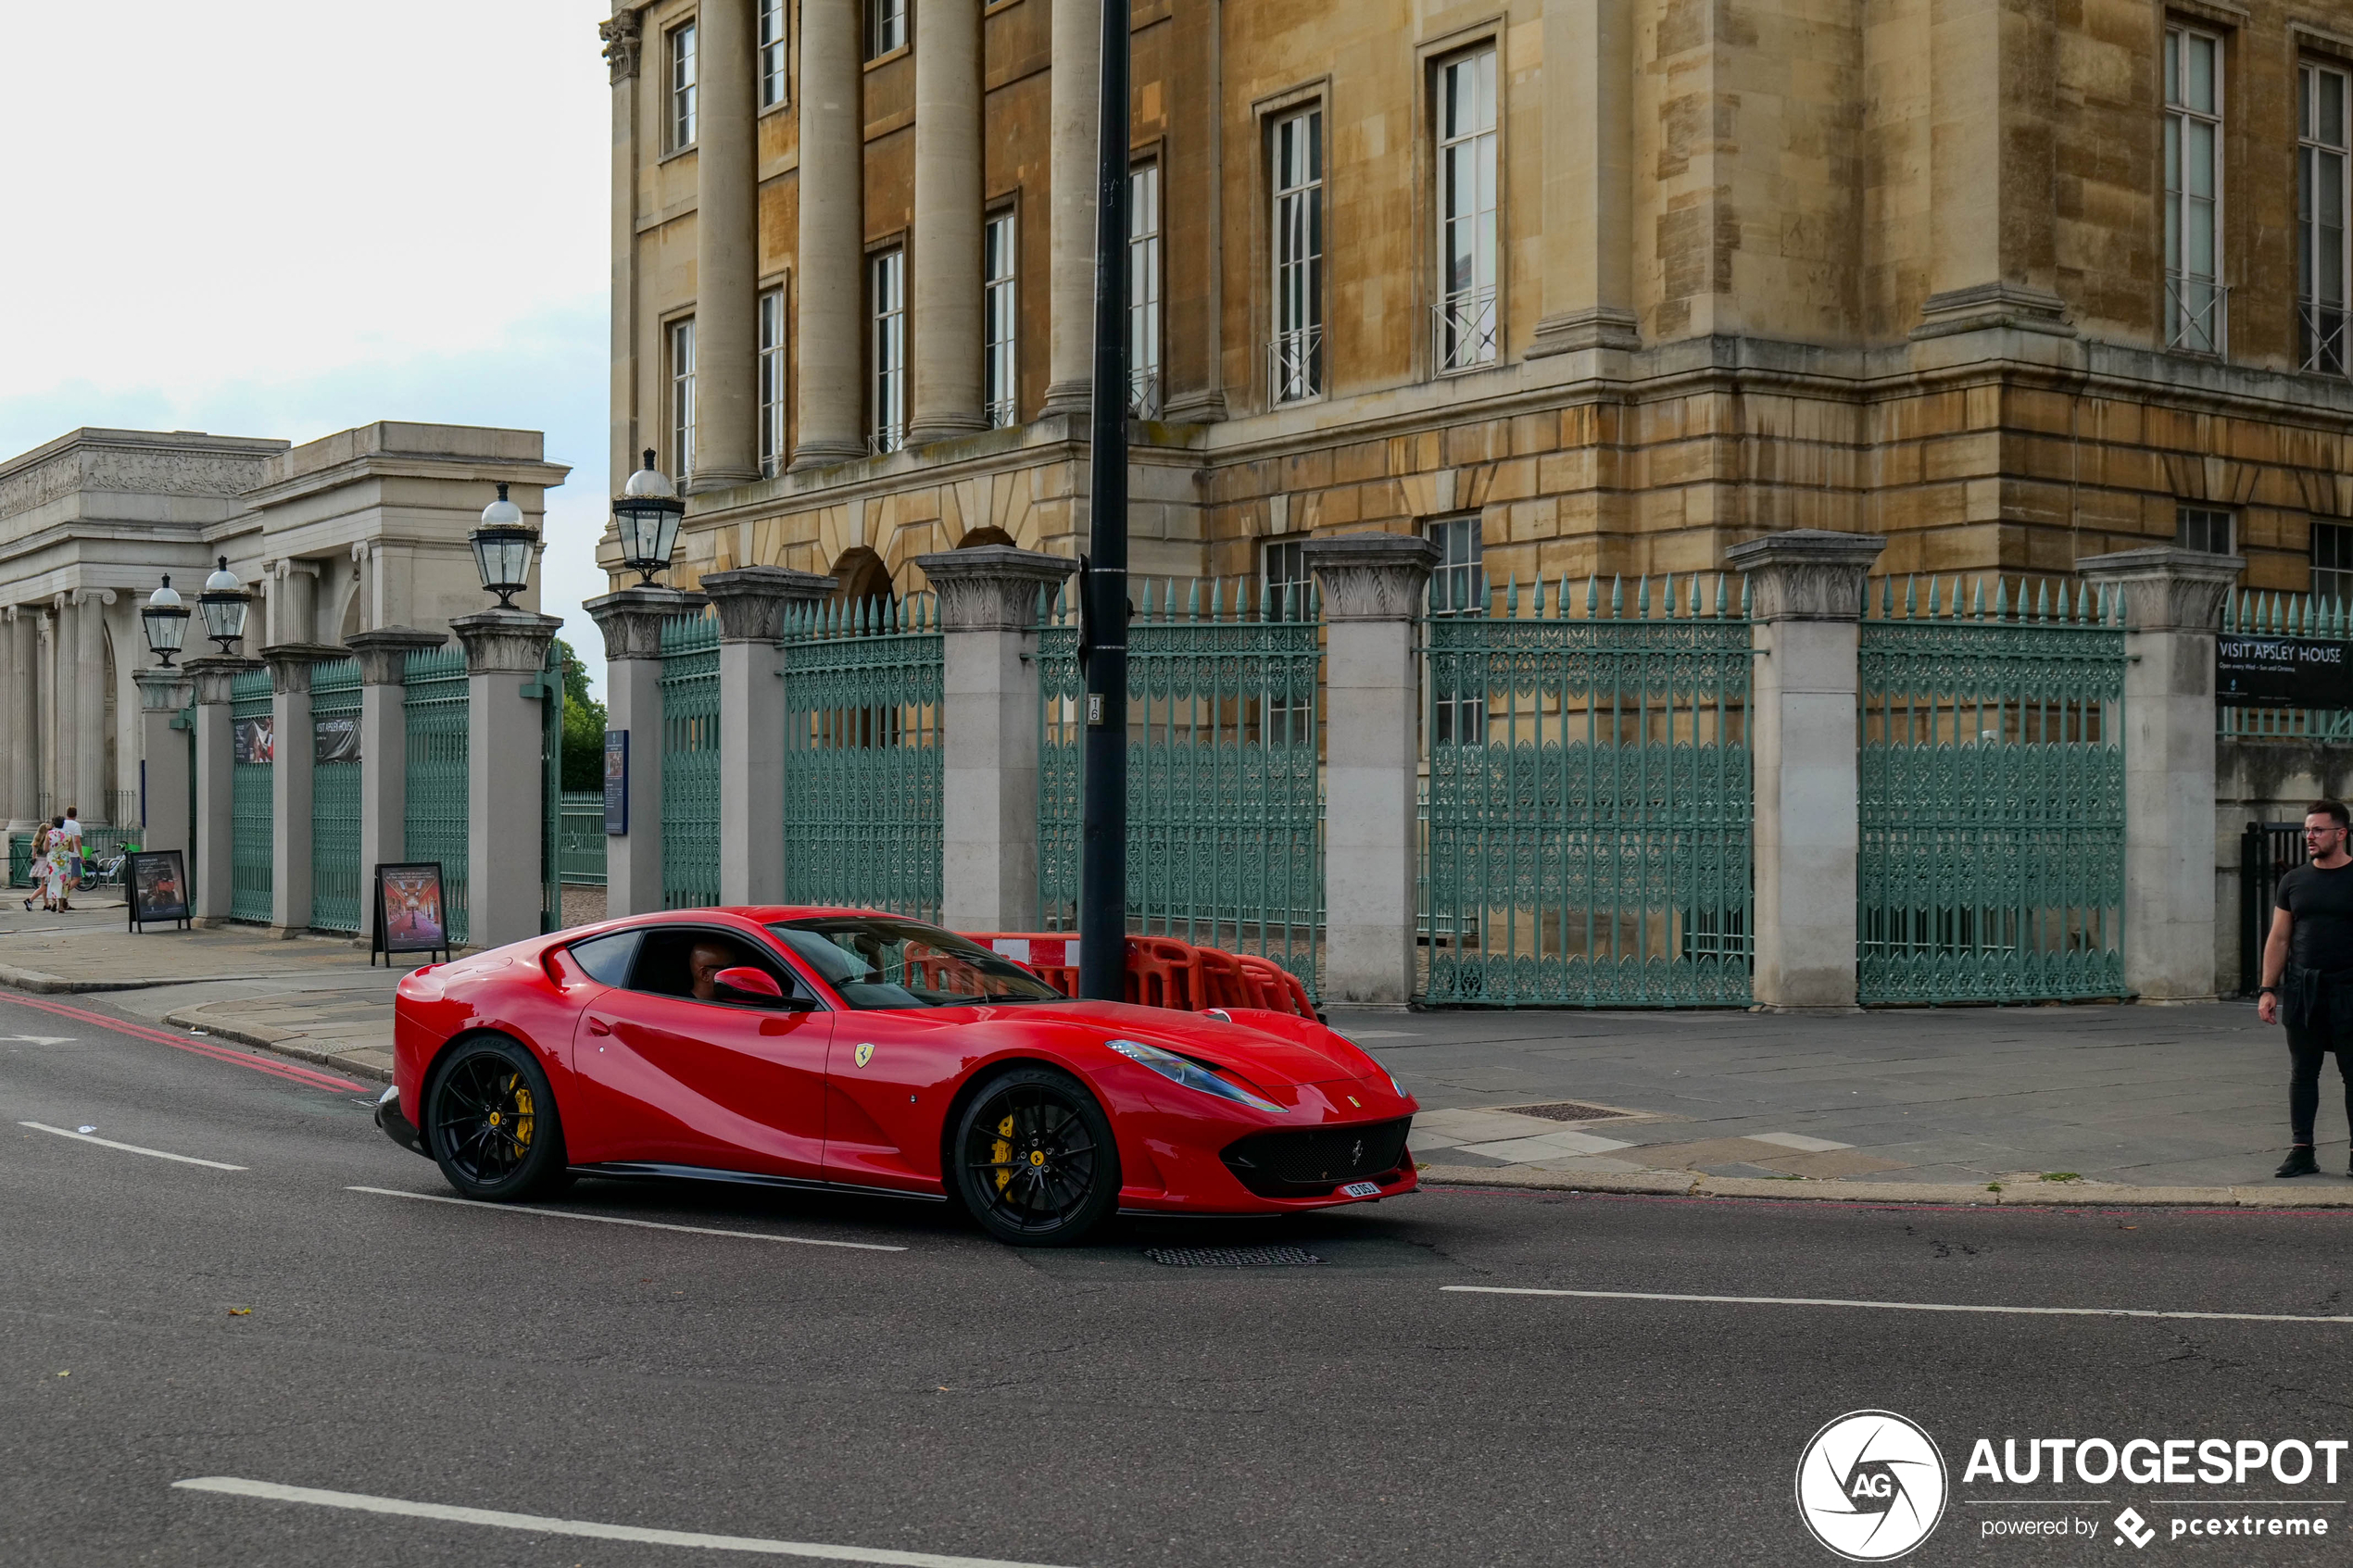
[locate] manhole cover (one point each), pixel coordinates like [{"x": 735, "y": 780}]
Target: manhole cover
[
  {"x": 1231, "y": 1257},
  {"x": 1564, "y": 1110}
]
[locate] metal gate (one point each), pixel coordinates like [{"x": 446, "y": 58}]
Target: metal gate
[
  {"x": 251, "y": 806},
  {"x": 1224, "y": 809},
  {"x": 1589, "y": 827},
  {"x": 1991, "y": 811},
  {"x": 862, "y": 763},
  {"x": 437, "y": 808},
  {"x": 689, "y": 761},
  {"x": 580, "y": 848},
  {"x": 334, "y": 795}
]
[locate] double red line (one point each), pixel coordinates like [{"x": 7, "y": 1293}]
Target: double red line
[{"x": 309, "y": 1077}]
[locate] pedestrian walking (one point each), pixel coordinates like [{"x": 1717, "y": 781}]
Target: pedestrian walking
[
  {"x": 70, "y": 825},
  {"x": 59, "y": 864},
  {"x": 37, "y": 869},
  {"x": 2308, "y": 974}
]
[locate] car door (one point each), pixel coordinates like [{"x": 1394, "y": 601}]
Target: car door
[
  {"x": 882, "y": 1068},
  {"x": 705, "y": 1083}
]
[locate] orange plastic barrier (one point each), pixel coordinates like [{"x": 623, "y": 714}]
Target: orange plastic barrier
[{"x": 1161, "y": 971}]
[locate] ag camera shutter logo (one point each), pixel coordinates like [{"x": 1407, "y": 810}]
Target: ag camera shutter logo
[{"x": 1871, "y": 1486}]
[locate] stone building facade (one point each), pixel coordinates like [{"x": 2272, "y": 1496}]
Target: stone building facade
[{"x": 1591, "y": 285}]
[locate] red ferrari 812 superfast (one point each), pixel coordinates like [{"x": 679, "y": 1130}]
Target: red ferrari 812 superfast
[{"x": 846, "y": 1049}]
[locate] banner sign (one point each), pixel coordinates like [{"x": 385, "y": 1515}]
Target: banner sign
[
  {"x": 2281, "y": 672},
  {"x": 410, "y": 916},
  {"x": 256, "y": 739},
  {"x": 159, "y": 885},
  {"x": 335, "y": 739},
  {"x": 616, "y": 783}
]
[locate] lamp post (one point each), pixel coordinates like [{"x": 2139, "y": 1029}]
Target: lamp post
[
  {"x": 502, "y": 547},
  {"x": 647, "y": 513},
  {"x": 224, "y": 602},
  {"x": 165, "y": 622}
]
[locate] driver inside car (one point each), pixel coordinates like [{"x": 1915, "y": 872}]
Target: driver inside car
[{"x": 703, "y": 966}]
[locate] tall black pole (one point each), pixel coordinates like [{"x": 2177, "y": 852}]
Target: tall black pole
[{"x": 1103, "y": 867}]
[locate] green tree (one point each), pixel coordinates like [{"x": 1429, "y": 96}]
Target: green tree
[{"x": 584, "y": 726}]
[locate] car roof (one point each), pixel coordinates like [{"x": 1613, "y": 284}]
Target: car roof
[{"x": 757, "y": 914}]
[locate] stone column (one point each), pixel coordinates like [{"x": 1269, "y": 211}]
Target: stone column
[
  {"x": 63, "y": 755},
  {"x": 290, "y": 776},
  {"x": 752, "y": 602},
  {"x": 989, "y": 700},
  {"x": 1074, "y": 92},
  {"x": 164, "y": 695},
  {"x": 2173, "y": 602},
  {"x": 828, "y": 295},
  {"x": 631, "y": 620},
  {"x": 1374, "y": 586},
  {"x": 1992, "y": 256},
  {"x": 89, "y": 657},
  {"x": 624, "y": 35},
  {"x": 727, "y": 250},
  {"x": 16, "y": 748},
  {"x": 383, "y": 655},
  {"x": 947, "y": 336},
  {"x": 23, "y": 760},
  {"x": 1806, "y": 589},
  {"x": 293, "y": 603},
  {"x": 216, "y": 832},
  {"x": 1588, "y": 210},
  {"x": 505, "y": 794}
]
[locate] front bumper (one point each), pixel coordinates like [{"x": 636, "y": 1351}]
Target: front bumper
[{"x": 396, "y": 1126}]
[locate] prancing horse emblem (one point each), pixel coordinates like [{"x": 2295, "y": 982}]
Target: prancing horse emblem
[
  {"x": 1357, "y": 1155},
  {"x": 865, "y": 1053}
]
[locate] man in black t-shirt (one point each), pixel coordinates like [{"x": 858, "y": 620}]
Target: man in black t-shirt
[{"x": 2308, "y": 973}]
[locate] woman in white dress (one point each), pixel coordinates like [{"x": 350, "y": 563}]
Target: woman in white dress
[{"x": 38, "y": 870}]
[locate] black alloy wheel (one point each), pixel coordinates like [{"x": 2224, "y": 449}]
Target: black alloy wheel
[
  {"x": 1035, "y": 1163},
  {"x": 490, "y": 1121}
]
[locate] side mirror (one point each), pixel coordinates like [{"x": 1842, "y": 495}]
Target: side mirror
[{"x": 745, "y": 984}]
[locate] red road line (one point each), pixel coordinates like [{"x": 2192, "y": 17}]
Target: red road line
[{"x": 309, "y": 1078}]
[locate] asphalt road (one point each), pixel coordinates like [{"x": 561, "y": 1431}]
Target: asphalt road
[{"x": 162, "y": 1322}]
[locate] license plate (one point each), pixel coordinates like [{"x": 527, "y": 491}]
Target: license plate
[{"x": 1361, "y": 1189}]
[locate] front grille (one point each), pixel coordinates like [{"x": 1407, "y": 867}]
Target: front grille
[{"x": 1311, "y": 1163}]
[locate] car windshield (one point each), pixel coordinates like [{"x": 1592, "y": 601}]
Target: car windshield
[{"x": 873, "y": 962}]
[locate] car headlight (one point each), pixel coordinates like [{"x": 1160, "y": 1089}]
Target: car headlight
[
  {"x": 1192, "y": 1074},
  {"x": 1398, "y": 1086}
]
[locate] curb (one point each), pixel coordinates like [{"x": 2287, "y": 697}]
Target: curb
[
  {"x": 270, "y": 1040},
  {"x": 44, "y": 985},
  {"x": 2061, "y": 1195}
]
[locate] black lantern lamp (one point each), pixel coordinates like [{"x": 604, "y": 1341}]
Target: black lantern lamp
[
  {"x": 502, "y": 549},
  {"x": 166, "y": 619},
  {"x": 224, "y": 602},
  {"x": 647, "y": 513}
]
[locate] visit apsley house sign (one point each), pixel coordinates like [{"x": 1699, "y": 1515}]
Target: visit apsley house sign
[{"x": 2281, "y": 672}]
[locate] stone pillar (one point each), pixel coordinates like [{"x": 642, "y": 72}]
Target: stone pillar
[
  {"x": 727, "y": 250},
  {"x": 383, "y": 655},
  {"x": 624, "y": 35},
  {"x": 216, "y": 832},
  {"x": 505, "y": 794},
  {"x": 989, "y": 700},
  {"x": 828, "y": 296},
  {"x": 1074, "y": 92},
  {"x": 1588, "y": 210},
  {"x": 290, "y": 776},
  {"x": 293, "y": 603},
  {"x": 164, "y": 695},
  {"x": 1992, "y": 256},
  {"x": 89, "y": 656},
  {"x": 24, "y": 761},
  {"x": 1807, "y": 593},
  {"x": 65, "y": 707},
  {"x": 631, "y": 620},
  {"x": 752, "y": 602},
  {"x": 1374, "y": 586},
  {"x": 946, "y": 281},
  {"x": 2173, "y": 602}
]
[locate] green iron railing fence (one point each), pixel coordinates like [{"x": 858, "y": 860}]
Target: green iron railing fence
[
  {"x": 334, "y": 795},
  {"x": 2285, "y": 615},
  {"x": 1991, "y": 776},
  {"x": 436, "y": 812},
  {"x": 1587, "y": 816},
  {"x": 251, "y": 808},
  {"x": 862, "y": 774},
  {"x": 580, "y": 848},
  {"x": 689, "y": 761},
  {"x": 1224, "y": 829}
]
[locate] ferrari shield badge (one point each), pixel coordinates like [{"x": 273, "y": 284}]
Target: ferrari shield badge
[{"x": 865, "y": 1053}]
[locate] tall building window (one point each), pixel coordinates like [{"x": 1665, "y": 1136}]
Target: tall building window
[
  {"x": 1284, "y": 562},
  {"x": 1000, "y": 321},
  {"x": 1143, "y": 291},
  {"x": 2333, "y": 562},
  {"x": 2203, "y": 528},
  {"x": 1466, "y": 308},
  {"x": 772, "y": 382},
  {"x": 885, "y": 27},
  {"x": 2195, "y": 297},
  {"x": 2321, "y": 199},
  {"x": 1291, "y": 712},
  {"x": 1296, "y": 357},
  {"x": 682, "y": 86},
  {"x": 1458, "y": 586},
  {"x": 772, "y": 53},
  {"x": 887, "y": 302},
  {"x": 681, "y": 398}
]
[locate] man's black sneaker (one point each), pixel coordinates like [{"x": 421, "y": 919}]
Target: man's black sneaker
[{"x": 2299, "y": 1163}]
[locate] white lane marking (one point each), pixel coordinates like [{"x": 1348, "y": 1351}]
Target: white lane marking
[
  {"x": 1890, "y": 1306},
  {"x": 128, "y": 1148},
  {"x": 614, "y": 1220},
  {"x": 1382, "y": 1034},
  {"x": 38, "y": 1039},
  {"x": 238, "y": 1486},
  {"x": 1797, "y": 1141}
]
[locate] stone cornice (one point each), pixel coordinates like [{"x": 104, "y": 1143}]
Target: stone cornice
[
  {"x": 751, "y": 600},
  {"x": 290, "y": 664},
  {"x": 991, "y": 587},
  {"x": 2167, "y": 588},
  {"x": 1372, "y": 576},
  {"x": 1807, "y": 574},
  {"x": 505, "y": 642},
  {"x": 163, "y": 691},
  {"x": 458, "y": 466},
  {"x": 624, "y": 35},
  {"x": 384, "y": 653},
  {"x": 213, "y": 676},
  {"x": 631, "y": 618}
]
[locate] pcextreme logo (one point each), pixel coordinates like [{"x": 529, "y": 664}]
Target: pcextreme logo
[{"x": 1871, "y": 1486}]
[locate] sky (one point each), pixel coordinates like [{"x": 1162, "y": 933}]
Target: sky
[{"x": 285, "y": 220}]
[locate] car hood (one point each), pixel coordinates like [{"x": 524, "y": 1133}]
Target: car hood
[{"x": 1271, "y": 1049}]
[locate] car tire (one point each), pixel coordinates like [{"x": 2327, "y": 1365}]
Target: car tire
[
  {"x": 1033, "y": 1159},
  {"x": 490, "y": 1123}
]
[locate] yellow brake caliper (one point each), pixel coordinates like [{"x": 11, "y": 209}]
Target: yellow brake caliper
[
  {"x": 1003, "y": 1152},
  {"x": 522, "y": 1130}
]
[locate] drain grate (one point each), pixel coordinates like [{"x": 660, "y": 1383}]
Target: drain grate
[
  {"x": 1564, "y": 1110},
  {"x": 1232, "y": 1256}
]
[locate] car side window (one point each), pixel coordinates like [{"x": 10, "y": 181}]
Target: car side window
[
  {"x": 681, "y": 962},
  {"x": 607, "y": 958}
]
